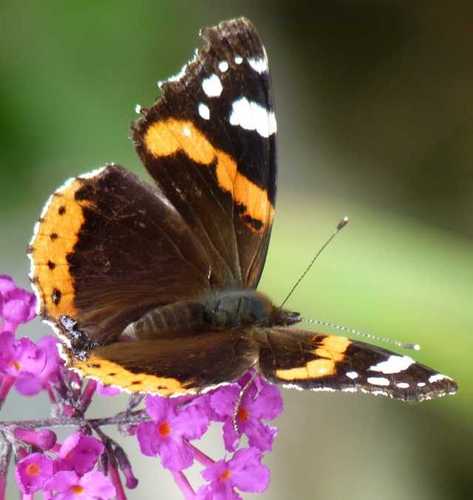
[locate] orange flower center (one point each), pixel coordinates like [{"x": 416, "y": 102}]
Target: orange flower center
[
  {"x": 164, "y": 429},
  {"x": 225, "y": 475},
  {"x": 243, "y": 414},
  {"x": 16, "y": 365},
  {"x": 77, "y": 489},
  {"x": 33, "y": 470}
]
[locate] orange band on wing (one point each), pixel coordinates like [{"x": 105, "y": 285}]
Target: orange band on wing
[
  {"x": 313, "y": 369},
  {"x": 111, "y": 373},
  {"x": 329, "y": 353},
  {"x": 165, "y": 138},
  {"x": 333, "y": 347},
  {"x": 56, "y": 233}
]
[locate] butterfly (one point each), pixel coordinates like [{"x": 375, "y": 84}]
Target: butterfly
[{"x": 153, "y": 287}]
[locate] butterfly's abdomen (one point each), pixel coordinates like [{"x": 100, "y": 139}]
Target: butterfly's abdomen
[{"x": 180, "y": 318}]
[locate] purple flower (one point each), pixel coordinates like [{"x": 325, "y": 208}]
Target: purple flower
[
  {"x": 31, "y": 382},
  {"x": 33, "y": 471},
  {"x": 21, "y": 359},
  {"x": 49, "y": 345},
  {"x": 80, "y": 453},
  {"x": 171, "y": 426},
  {"x": 243, "y": 471},
  {"x": 260, "y": 401},
  {"x": 68, "y": 485},
  {"x": 16, "y": 304}
]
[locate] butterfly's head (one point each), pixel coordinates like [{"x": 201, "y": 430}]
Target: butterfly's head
[{"x": 283, "y": 317}]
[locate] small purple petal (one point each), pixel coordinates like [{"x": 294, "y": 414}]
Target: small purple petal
[
  {"x": 62, "y": 481},
  {"x": 247, "y": 471},
  {"x": 32, "y": 472},
  {"x": 18, "y": 306},
  {"x": 97, "y": 485},
  {"x": 80, "y": 452},
  {"x": 268, "y": 404},
  {"x": 68, "y": 485},
  {"x": 28, "y": 385},
  {"x": 147, "y": 436},
  {"x": 260, "y": 435},
  {"x": 159, "y": 408},
  {"x": 107, "y": 390},
  {"x": 28, "y": 358},
  {"x": 191, "y": 422},
  {"x": 214, "y": 471},
  {"x": 243, "y": 471},
  {"x": 176, "y": 455},
  {"x": 217, "y": 491},
  {"x": 6, "y": 284},
  {"x": 223, "y": 400},
  {"x": 230, "y": 437},
  {"x": 50, "y": 371}
]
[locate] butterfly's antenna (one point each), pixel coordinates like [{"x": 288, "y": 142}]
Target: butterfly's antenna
[
  {"x": 352, "y": 331},
  {"x": 339, "y": 227}
]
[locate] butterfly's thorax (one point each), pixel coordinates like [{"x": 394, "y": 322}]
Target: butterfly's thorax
[
  {"x": 217, "y": 310},
  {"x": 234, "y": 308}
]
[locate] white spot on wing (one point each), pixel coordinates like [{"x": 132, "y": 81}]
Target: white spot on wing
[
  {"x": 394, "y": 364},
  {"x": 238, "y": 59},
  {"x": 212, "y": 86},
  {"x": 438, "y": 377},
  {"x": 204, "y": 111},
  {"x": 383, "y": 381},
  {"x": 186, "y": 131},
  {"x": 352, "y": 375},
  {"x": 421, "y": 384},
  {"x": 259, "y": 64},
  {"x": 402, "y": 385},
  {"x": 250, "y": 115},
  {"x": 223, "y": 66}
]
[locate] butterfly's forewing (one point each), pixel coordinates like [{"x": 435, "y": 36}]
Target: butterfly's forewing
[
  {"x": 209, "y": 143},
  {"x": 318, "y": 362},
  {"x": 107, "y": 248}
]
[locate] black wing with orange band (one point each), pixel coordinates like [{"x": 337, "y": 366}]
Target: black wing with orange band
[
  {"x": 313, "y": 361},
  {"x": 209, "y": 143},
  {"x": 107, "y": 248}
]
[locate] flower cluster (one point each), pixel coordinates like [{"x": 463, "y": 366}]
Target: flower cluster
[
  {"x": 241, "y": 407},
  {"x": 25, "y": 365},
  {"x": 90, "y": 465},
  {"x": 66, "y": 471}
]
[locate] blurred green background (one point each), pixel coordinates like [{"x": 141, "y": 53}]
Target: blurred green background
[{"x": 374, "y": 102}]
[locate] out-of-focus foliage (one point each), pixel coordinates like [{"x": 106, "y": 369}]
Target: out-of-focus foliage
[{"x": 373, "y": 100}]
